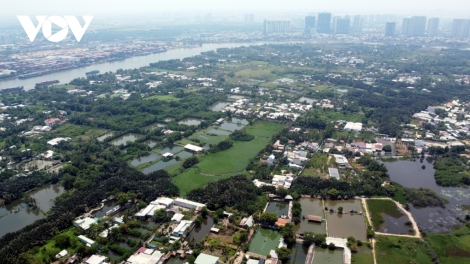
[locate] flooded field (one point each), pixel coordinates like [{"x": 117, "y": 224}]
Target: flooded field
[
  {"x": 105, "y": 136},
  {"x": 123, "y": 140},
  {"x": 346, "y": 225},
  {"x": 190, "y": 122},
  {"x": 11, "y": 221},
  {"x": 200, "y": 232},
  {"x": 219, "y": 106},
  {"x": 161, "y": 165},
  {"x": 410, "y": 174},
  {"x": 323, "y": 256},
  {"x": 280, "y": 208},
  {"x": 145, "y": 159},
  {"x": 311, "y": 206},
  {"x": 395, "y": 224},
  {"x": 264, "y": 240},
  {"x": 299, "y": 254},
  {"x": 38, "y": 164},
  {"x": 184, "y": 154},
  {"x": 151, "y": 143},
  {"x": 218, "y": 132}
]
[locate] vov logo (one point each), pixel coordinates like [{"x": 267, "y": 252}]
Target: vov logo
[{"x": 46, "y": 22}]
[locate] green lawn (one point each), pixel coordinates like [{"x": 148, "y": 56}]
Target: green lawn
[
  {"x": 50, "y": 249},
  {"x": 165, "y": 97},
  {"x": 204, "y": 138},
  {"x": 394, "y": 250},
  {"x": 229, "y": 162},
  {"x": 453, "y": 247},
  {"x": 377, "y": 208}
]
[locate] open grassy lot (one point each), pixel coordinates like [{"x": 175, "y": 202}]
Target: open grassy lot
[
  {"x": 230, "y": 162},
  {"x": 207, "y": 139},
  {"x": 363, "y": 255},
  {"x": 163, "y": 97},
  {"x": 51, "y": 249},
  {"x": 393, "y": 250},
  {"x": 453, "y": 247},
  {"x": 84, "y": 132},
  {"x": 379, "y": 207}
]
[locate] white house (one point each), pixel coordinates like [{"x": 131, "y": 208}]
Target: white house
[
  {"x": 206, "y": 259},
  {"x": 183, "y": 228},
  {"x": 84, "y": 223},
  {"x": 193, "y": 148},
  {"x": 165, "y": 201},
  {"x": 95, "y": 259},
  {"x": 86, "y": 240},
  {"x": 188, "y": 204}
]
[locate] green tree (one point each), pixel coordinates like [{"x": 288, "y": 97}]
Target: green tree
[
  {"x": 198, "y": 221},
  {"x": 283, "y": 253},
  {"x": 159, "y": 216},
  {"x": 309, "y": 238},
  {"x": 269, "y": 218},
  {"x": 204, "y": 212}
]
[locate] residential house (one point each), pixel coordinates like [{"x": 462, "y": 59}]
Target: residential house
[
  {"x": 95, "y": 259},
  {"x": 183, "y": 228},
  {"x": 206, "y": 259}
]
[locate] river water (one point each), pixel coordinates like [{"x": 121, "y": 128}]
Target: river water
[
  {"x": 130, "y": 63},
  {"x": 410, "y": 174},
  {"x": 11, "y": 221}
]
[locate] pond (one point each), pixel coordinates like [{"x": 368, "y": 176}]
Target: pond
[
  {"x": 175, "y": 260},
  {"x": 171, "y": 149},
  {"x": 311, "y": 206},
  {"x": 123, "y": 139},
  {"x": 280, "y": 208},
  {"x": 159, "y": 166},
  {"x": 105, "y": 136},
  {"x": 151, "y": 143},
  {"x": 410, "y": 174},
  {"x": 298, "y": 255},
  {"x": 395, "y": 224},
  {"x": 231, "y": 126},
  {"x": 346, "y": 225},
  {"x": 219, "y": 106},
  {"x": 190, "y": 122},
  {"x": 200, "y": 232},
  {"x": 10, "y": 221},
  {"x": 239, "y": 121},
  {"x": 217, "y": 132},
  {"x": 40, "y": 164},
  {"x": 307, "y": 100},
  {"x": 264, "y": 240},
  {"x": 324, "y": 255},
  {"x": 154, "y": 126},
  {"x": 184, "y": 154},
  {"x": 145, "y": 159}
]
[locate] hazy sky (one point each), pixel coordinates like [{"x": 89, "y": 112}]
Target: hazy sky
[{"x": 448, "y": 8}]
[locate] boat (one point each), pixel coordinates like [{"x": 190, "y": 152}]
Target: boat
[
  {"x": 92, "y": 72},
  {"x": 12, "y": 89},
  {"x": 47, "y": 83},
  {"x": 114, "y": 210},
  {"x": 29, "y": 75}
]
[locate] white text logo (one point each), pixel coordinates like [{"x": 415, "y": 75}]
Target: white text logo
[{"x": 46, "y": 22}]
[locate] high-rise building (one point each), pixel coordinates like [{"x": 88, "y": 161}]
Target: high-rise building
[
  {"x": 433, "y": 26},
  {"x": 461, "y": 28},
  {"x": 276, "y": 26},
  {"x": 342, "y": 25},
  {"x": 357, "y": 23},
  {"x": 390, "y": 29},
  {"x": 298, "y": 24},
  {"x": 249, "y": 18},
  {"x": 324, "y": 20},
  {"x": 414, "y": 26},
  {"x": 309, "y": 24}
]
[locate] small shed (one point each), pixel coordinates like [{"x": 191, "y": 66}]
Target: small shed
[
  {"x": 168, "y": 155},
  {"x": 314, "y": 218}
]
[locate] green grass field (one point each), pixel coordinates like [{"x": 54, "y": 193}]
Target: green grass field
[
  {"x": 72, "y": 131},
  {"x": 377, "y": 208},
  {"x": 452, "y": 248},
  {"x": 166, "y": 97},
  {"x": 230, "y": 162},
  {"x": 363, "y": 256},
  {"x": 394, "y": 250},
  {"x": 51, "y": 249}
]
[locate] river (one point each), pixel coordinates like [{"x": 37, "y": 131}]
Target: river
[
  {"x": 130, "y": 63},
  {"x": 410, "y": 174},
  {"x": 11, "y": 221}
]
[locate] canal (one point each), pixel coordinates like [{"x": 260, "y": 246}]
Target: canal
[{"x": 11, "y": 221}]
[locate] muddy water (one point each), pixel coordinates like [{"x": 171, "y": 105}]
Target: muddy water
[
  {"x": 280, "y": 208},
  {"x": 123, "y": 140},
  {"x": 311, "y": 206},
  {"x": 145, "y": 159},
  {"x": 346, "y": 225},
  {"x": 200, "y": 232},
  {"x": 410, "y": 174},
  {"x": 324, "y": 256}
]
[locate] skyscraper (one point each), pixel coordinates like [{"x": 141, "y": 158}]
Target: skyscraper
[
  {"x": 460, "y": 28},
  {"x": 324, "y": 20},
  {"x": 249, "y": 18},
  {"x": 433, "y": 25},
  {"x": 342, "y": 25},
  {"x": 357, "y": 24},
  {"x": 276, "y": 26},
  {"x": 390, "y": 29},
  {"x": 414, "y": 26},
  {"x": 309, "y": 24}
]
